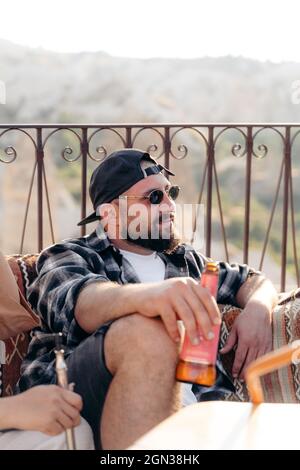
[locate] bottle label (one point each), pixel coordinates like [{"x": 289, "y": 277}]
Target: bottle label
[{"x": 206, "y": 351}]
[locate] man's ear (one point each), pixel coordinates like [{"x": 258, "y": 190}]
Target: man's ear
[{"x": 107, "y": 212}]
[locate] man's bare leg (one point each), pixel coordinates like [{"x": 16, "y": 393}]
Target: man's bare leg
[{"x": 142, "y": 358}]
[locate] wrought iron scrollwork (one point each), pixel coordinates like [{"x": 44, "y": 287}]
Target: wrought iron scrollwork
[
  {"x": 101, "y": 149},
  {"x": 66, "y": 150}
]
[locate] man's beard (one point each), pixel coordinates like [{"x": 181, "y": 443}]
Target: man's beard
[
  {"x": 162, "y": 236},
  {"x": 159, "y": 244}
]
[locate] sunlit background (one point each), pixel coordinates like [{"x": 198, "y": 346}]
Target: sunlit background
[{"x": 258, "y": 29}]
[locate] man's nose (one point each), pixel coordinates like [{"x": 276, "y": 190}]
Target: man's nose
[{"x": 169, "y": 202}]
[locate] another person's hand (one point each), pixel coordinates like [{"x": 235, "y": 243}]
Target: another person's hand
[
  {"x": 180, "y": 298},
  {"x": 251, "y": 335},
  {"x": 46, "y": 408}
]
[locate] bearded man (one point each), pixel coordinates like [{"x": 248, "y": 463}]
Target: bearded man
[{"x": 117, "y": 295}]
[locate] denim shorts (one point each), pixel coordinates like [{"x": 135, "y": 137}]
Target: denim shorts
[{"x": 87, "y": 369}]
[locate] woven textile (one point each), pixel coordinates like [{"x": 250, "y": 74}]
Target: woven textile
[
  {"x": 23, "y": 267},
  {"x": 283, "y": 385}
]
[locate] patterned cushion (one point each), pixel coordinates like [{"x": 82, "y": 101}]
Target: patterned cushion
[
  {"x": 23, "y": 267},
  {"x": 283, "y": 385}
]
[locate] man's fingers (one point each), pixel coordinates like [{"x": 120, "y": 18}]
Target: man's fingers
[
  {"x": 267, "y": 349},
  {"x": 185, "y": 314},
  {"x": 263, "y": 350},
  {"x": 240, "y": 358},
  {"x": 251, "y": 356},
  {"x": 170, "y": 321},
  {"x": 231, "y": 341},
  {"x": 209, "y": 302},
  {"x": 203, "y": 321}
]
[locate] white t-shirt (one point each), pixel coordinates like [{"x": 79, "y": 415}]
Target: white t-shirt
[{"x": 149, "y": 268}]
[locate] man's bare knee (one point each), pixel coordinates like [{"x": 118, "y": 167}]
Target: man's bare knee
[{"x": 136, "y": 338}]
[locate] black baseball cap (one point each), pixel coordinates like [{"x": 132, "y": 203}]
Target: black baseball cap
[{"x": 116, "y": 174}]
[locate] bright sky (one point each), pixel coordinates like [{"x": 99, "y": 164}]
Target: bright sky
[{"x": 261, "y": 29}]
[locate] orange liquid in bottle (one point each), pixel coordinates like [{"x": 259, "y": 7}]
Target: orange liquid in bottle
[{"x": 197, "y": 363}]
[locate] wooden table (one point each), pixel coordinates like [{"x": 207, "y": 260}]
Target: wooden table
[{"x": 227, "y": 425}]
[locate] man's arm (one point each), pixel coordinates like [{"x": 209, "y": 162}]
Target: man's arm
[
  {"x": 73, "y": 294},
  {"x": 101, "y": 302},
  {"x": 257, "y": 290},
  {"x": 173, "y": 299},
  {"x": 252, "y": 331}
]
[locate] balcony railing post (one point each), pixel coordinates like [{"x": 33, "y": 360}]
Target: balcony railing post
[
  {"x": 210, "y": 163},
  {"x": 40, "y": 163},
  {"x": 167, "y": 148},
  {"x": 84, "y": 152},
  {"x": 128, "y": 137},
  {"x": 249, "y": 144},
  {"x": 287, "y": 166}
]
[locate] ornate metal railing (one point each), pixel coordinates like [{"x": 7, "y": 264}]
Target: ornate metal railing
[{"x": 206, "y": 144}]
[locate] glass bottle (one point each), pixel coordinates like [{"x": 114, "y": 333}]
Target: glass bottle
[{"x": 197, "y": 363}]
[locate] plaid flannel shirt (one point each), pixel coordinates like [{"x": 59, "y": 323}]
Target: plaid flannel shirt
[{"x": 64, "y": 269}]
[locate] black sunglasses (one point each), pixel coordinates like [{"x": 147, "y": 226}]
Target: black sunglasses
[{"x": 157, "y": 195}]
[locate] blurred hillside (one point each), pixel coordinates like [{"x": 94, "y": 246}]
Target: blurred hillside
[{"x": 44, "y": 86}]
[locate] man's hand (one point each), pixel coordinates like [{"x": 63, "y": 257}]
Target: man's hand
[
  {"x": 251, "y": 334},
  {"x": 47, "y": 408},
  {"x": 183, "y": 299}
]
